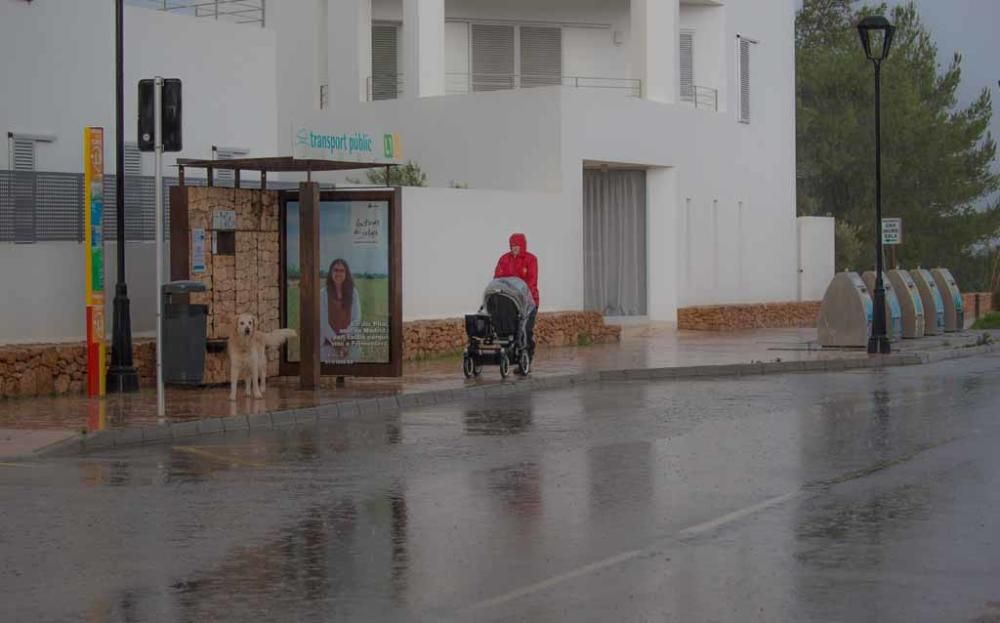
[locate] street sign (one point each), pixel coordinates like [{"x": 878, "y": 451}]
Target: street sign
[{"x": 892, "y": 231}]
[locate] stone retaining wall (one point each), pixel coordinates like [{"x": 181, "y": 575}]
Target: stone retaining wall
[
  {"x": 748, "y": 316},
  {"x": 46, "y": 369},
  {"x": 432, "y": 338}
]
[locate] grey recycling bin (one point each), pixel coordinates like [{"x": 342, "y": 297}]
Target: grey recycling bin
[{"x": 184, "y": 334}]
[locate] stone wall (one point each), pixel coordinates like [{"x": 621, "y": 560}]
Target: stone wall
[
  {"x": 47, "y": 369},
  {"x": 244, "y": 282},
  {"x": 749, "y": 316},
  {"x": 433, "y": 338}
]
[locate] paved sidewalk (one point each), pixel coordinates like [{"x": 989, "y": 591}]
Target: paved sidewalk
[{"x": 667, "y": 351}]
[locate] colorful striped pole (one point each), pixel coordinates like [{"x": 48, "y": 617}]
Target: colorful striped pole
[{"x": 93, "y": 214}]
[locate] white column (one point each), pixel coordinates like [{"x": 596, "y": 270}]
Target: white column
[
  {"x": 423, "y": 48},
  {"x": 349, "y": 50},
  {"x": 662, "y": 243},
  {"x": 654, "y": 47}
]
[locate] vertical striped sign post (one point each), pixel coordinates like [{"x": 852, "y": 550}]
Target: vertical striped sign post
[{"x": 93, "y": 214}]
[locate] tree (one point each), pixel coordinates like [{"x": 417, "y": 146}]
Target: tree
[
  {"x": 936, "y": 156},
  {"x": 410, "y": 174}
]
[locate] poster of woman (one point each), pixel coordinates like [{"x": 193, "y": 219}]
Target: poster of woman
[{"x": 354, "y": 300}]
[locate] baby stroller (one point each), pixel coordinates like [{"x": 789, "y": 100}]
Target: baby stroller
[{"x": 498, "y": 331}]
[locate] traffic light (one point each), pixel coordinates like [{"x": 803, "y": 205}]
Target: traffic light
[{"x": 170, "y": 125}]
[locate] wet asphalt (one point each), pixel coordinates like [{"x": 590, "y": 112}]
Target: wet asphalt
[{"x": 856, "y": 496}]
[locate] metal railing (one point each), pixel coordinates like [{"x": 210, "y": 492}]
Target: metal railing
[
  {"x": 239, "y": 11},
  {"x": 384, "y": 87},
  {"x": 701, "y": 97},
  {"x": 458, "y": 84},
  {"x": 43, "y": 206}
]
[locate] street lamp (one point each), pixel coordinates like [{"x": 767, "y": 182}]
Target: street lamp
[
  {"x": 122, "y": 374},
  {"x": 876, "y": 37}
]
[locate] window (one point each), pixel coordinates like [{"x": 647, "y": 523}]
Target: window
[
  {"x": 743, "y": 68},
  {"x": 492, "y": 57},
  {"x": 508, "y": 57},
  {"x": 385, "y": 62},
  {"x": 687, "y": 66},
  {"x": 226, "y": 177},
  {"x": 541, "y": 56}
]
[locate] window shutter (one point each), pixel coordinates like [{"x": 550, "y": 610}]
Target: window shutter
[
  {"x": 541, "y": 56},
  {"x": 744, "y": 80},
  {"x": 385, "y": 70},
  {"x": 24, "y": 154},
  {"x": 687, "y": 67},
  {"x": 492, "y": 57}
]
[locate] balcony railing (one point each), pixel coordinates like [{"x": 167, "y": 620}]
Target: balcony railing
[
  {"x": 701, "y": 97},
  {"x": 239, "y": 11},
  {"x": 458, "y": 84}
]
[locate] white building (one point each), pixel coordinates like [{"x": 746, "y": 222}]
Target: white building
[{"x": 646, "y": 147}]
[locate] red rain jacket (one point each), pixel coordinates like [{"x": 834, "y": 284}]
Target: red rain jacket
[{"x": 524, "y": 265}]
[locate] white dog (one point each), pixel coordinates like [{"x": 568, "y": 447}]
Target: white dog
[{"x": 247, "y": 350}]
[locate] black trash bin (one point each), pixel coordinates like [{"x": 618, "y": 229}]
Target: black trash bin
[{"x": 184, "y": 334}]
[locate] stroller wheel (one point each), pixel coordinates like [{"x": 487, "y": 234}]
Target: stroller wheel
[
  {"x": 468, "y": 365},
  {"x": 477, "y": 366},
  {"x": 524, "y": 363},
  {"x": 504, "y": 365}
]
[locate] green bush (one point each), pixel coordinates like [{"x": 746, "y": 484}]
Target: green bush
[{"x": 989, "y": 321}]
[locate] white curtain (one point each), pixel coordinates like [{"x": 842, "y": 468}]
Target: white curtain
[{"x": 614, "y": 242}]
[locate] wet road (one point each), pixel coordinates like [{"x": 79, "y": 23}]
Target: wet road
[{"x": 862, "y": 496}]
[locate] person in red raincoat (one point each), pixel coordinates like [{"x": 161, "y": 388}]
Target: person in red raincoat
[{"x": 519, "y": 263}]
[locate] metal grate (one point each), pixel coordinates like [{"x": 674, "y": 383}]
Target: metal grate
[
  {"x": 24, "y": 154},
  {"x": 48, "y": 206}
]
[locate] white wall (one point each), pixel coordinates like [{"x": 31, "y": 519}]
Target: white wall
[
  {"x": 709, "y": 26},
  {"x": 452, "y": 240},
  {"x": 508, "y": 140},
  {"x": 42, "y": 289},
  {"x": 816, "y": 256},
  {"x": 59, "y": 76}
]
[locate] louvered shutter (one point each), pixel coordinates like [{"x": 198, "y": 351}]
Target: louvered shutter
[
  {"x": 687, "y": 67},
  {"x": 541, "y": 56},
  {"x": 745, "y": 81},
  {"x": 133, "y": 160},
  {"x": 492, "y": 57},
  {"x": 24, "y": 154},
  {"x": 385, "y": 70}
]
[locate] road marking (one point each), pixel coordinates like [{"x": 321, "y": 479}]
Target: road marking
[
  {"x": 708, "y": 526},
  {"x": 14, "y": 465},
  {"x": 686, "y": 533},
  {"x": 218, "y": 457}
]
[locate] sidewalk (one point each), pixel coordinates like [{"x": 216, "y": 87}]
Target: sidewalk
[{"x": 26, "y": 425}]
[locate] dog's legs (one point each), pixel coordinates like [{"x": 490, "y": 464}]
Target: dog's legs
[
  {"x": 234, "y": 377},
  {"x": 262, "y": 383},
  {"x": 254, "y": 378}
]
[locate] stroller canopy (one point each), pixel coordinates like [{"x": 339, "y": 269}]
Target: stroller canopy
[{"x": 513, "y": 288}]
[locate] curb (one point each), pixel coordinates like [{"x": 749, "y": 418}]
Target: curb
[{"x": 311, "y": 416}]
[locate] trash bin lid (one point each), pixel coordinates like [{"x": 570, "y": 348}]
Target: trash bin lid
[{"x": 183, "y": 287}]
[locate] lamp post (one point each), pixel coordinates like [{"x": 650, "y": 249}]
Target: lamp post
[
  {"x": 122, "y": 374},
  {"x": 876, "y": 38}
]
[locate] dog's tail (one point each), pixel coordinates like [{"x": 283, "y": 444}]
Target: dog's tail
[{"x": 277, "y": 338}]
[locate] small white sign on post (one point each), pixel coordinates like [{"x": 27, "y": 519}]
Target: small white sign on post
[{"x": 892, "y": 231}]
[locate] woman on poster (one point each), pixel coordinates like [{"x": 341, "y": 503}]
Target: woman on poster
[{"x": 340, "y": 315}]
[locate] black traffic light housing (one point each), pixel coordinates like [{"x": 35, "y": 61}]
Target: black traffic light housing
[{"x": 171, "y": 115}]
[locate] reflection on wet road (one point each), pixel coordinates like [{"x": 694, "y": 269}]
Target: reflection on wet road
[{"x": 867, "y": 496}]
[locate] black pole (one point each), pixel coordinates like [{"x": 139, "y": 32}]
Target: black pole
[
  {"x": 122, "y": 375},
  {"x": 879, "y": 341}
]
